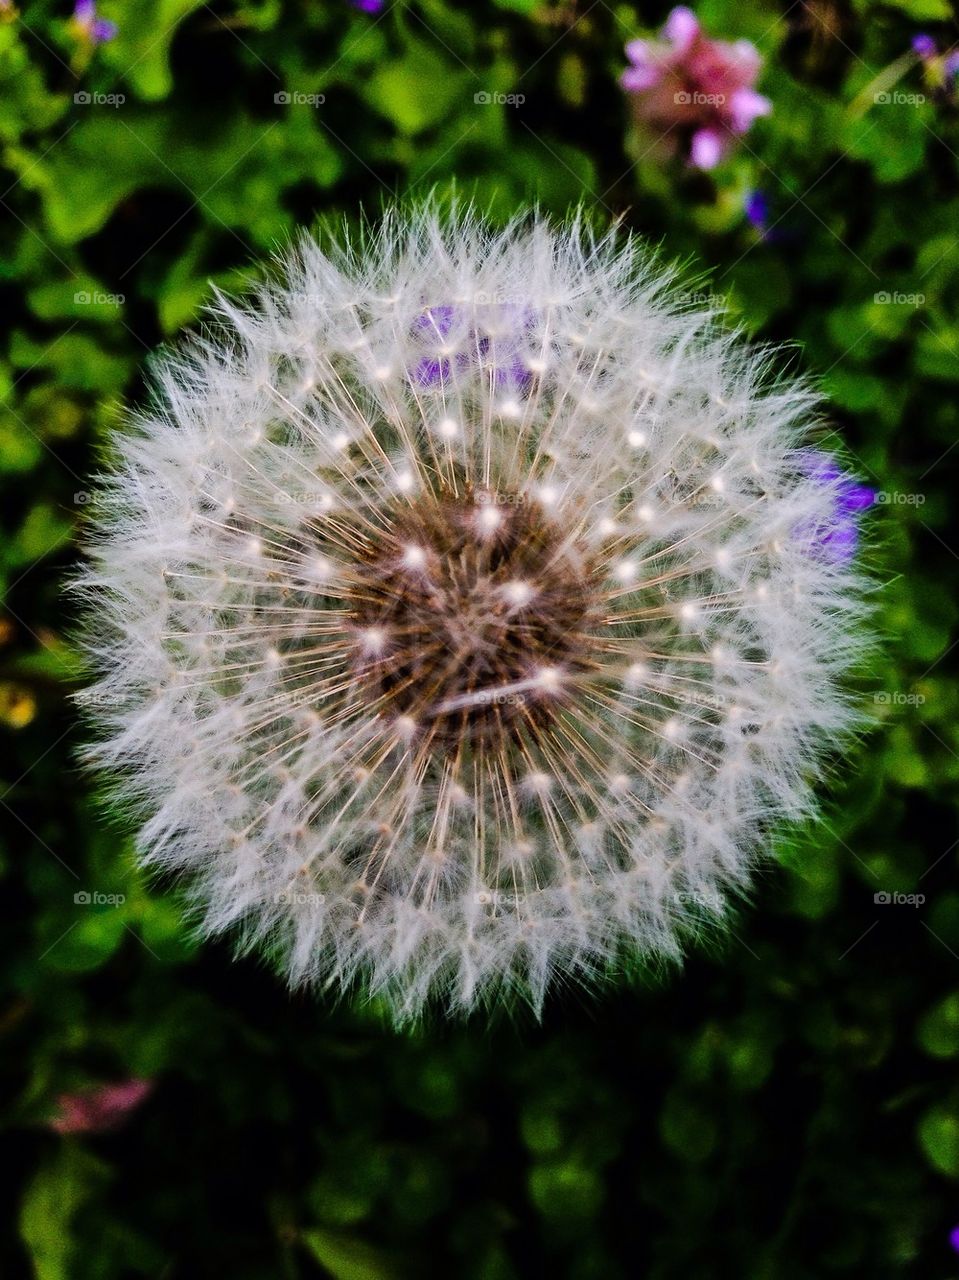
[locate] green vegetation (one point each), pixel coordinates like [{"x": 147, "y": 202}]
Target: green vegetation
[{"x": 787, "y": 1107}]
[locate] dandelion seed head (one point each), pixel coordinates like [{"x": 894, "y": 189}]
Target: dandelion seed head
[{"x": 447, "y": 644}]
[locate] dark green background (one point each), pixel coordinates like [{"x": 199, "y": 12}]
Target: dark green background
[{"x": 786, "y": 1107}]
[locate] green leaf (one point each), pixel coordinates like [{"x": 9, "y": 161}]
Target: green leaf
[
  {"x": 418, "y": 91},
  {"x": 761, "y": 287},
  {"x": 79, "y": 297},
  {"x": 939, "y": 1029},
  {"x": 939, "y": 1138},
  {"x": 346, "y": 1257},
  {"x": 568, "y": 1191},
  {"x": 924, "y": 10},
  {"x": 141, "y": 50},
  {"x": 541, "y": 1130},
  {"x": 58, "y": 1190},
  {"x": 88, "y": 943},
  {"x": 891, "y": 137},
  {"x": 20, "y": 450},
  {"x": 44, "y": 530},
  {"x": 687, "y": 1129}
]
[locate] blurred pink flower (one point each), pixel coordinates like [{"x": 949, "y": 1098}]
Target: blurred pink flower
[
  {"x": 698, "y": 93},
  {"x": 103, "y": 1107}
]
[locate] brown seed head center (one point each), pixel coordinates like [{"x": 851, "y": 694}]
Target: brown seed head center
[{"x": 471, "y": 612}]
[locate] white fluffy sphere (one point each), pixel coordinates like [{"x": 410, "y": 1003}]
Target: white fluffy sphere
[{"x": 467, "y": 611}]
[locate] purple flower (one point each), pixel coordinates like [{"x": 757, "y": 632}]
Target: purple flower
[
  {"x": 836, "y": 537},
  {"x": 465, "y": 345},
  {"x": 696, "y": 92},
  {"x": 757, "y": 209},
  {"x": 939, "y": 69},
  {"x": 89, "y": 26},
  {"x": 924, "y": 46},
  {"x": 368, "y": 6},
  {"x": 954, "y": 1238}
]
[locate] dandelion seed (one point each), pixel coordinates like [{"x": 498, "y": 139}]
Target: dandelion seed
[{"x": 483, "y": 719}]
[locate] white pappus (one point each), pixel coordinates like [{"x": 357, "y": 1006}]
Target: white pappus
[{"x": 467, "y": 611}]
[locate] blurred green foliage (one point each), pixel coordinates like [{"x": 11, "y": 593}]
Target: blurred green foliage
[{"x": 785, "y": 1108}]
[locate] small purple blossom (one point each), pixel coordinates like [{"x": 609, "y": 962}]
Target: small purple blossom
[
  {"x": 448, "y": 326},
  {"x": 696, "y": 92},
  {"x": 89, "y": 26},
  {"x": 835, "y": 539},
  {"x": 940, "y": 70},
  {"x": 757, "y": 209},
  {"x": 368, "y": 6},
  {"x": 954, "y": 1238},
  {"x": 924, "y": 46}
]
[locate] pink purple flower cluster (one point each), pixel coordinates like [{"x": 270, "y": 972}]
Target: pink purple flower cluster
[{"x": 696, "y": 93}]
